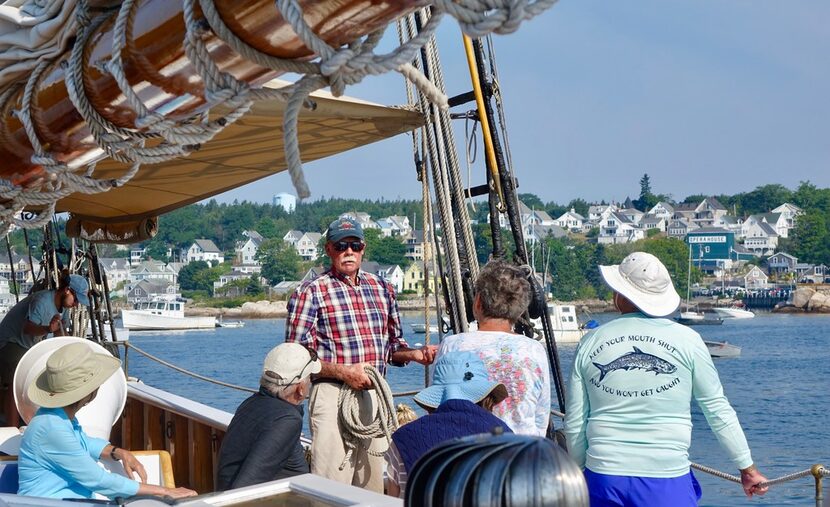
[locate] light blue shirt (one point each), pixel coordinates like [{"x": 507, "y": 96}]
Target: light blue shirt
[
  {"x": 38, "y": 308},
  {"x": 58, "y": 460},
  {"x": 628, "y": 409}
]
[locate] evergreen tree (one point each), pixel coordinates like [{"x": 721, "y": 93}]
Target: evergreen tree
[
  {"x": 280, "y": 261},
  {"x": 647, "y": 199}
]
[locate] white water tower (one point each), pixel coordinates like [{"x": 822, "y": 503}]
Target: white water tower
[{"x": 286, "y": 200}]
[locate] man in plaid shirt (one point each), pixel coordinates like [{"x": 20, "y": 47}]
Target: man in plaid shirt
[{"x": 350, "y": 318}]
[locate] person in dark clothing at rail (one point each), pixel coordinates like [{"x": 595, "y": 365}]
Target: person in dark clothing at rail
[{"x": 263, "y": 440}]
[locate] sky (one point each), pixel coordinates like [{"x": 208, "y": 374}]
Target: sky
[{"x": 704, "y": 96}]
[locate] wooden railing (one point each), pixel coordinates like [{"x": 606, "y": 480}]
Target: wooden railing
[{"x": 192, "y": 433}]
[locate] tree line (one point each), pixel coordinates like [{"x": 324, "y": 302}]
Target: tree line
[{"x": 570, "y": 261}]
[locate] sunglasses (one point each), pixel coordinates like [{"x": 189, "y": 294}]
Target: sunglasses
[
  {"x": 342, "y": 246},
  {"x": 312, "y": 357}
]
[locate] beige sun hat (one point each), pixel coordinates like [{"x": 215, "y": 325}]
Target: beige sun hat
[
  {"x": 644, "y": 281},
  {"x": 72, "y": 372}
]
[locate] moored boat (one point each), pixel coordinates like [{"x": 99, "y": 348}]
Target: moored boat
[
  {"x": 722, "y": 349},
  {"x": 698, "y": 320},
  {"x": 733, "y": 312},
  {"x": 565, "y": 324},
  {"x": 230, "y": 323},
  {"x": 161, "y": 314}
]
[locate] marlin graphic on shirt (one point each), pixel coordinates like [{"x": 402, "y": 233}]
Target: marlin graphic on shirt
[{"x": 636, "y": 360}]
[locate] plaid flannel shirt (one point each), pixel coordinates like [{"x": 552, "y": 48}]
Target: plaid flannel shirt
[{"x": 346, "y": 323}]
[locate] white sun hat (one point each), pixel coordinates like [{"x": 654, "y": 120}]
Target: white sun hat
[
  {"x": 644, "y": 281},
  {"x": 99, "y": 416}
]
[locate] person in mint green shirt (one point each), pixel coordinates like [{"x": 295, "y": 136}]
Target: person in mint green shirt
[{"x": 628, "y": 419}]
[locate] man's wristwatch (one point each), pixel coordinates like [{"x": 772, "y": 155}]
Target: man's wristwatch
[{"x": 112, "y": 453}]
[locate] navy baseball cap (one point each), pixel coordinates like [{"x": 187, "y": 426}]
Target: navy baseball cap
[
  {"x": 81, "y": 288},
  {"x": 344, "y": 228}
]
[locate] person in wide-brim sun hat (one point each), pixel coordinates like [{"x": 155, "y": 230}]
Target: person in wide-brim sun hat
[
  {"x": 72, "y": 372},
  {"x": 644, "y": 280},
  {"x": 459, "y": 403},
  {"x": 460, "y": 376},
  {"x": 57, "y": 459}
]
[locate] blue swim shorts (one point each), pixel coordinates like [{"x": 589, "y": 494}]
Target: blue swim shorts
[{"x": 628, "y": 491}]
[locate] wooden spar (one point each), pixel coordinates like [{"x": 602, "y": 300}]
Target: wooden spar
[{"x": 158, "y": 69}]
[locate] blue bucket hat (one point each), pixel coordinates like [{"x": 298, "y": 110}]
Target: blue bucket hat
[
  {"x": 344, "y": 228},
  {"x": 459, "y": 376},
  {"x": 81, "y": 288}
]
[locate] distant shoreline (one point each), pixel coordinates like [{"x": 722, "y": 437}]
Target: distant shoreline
[{"x": 408, "y": 305}]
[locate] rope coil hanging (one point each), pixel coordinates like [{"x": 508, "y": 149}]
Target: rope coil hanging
[{"x": 335, "y": 67}]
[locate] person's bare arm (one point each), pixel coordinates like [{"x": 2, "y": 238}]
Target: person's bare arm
[
  {"x": 424, "y": 355},
  {"x": 32, "y": 329},
  {"x": 354, "y": 375}
]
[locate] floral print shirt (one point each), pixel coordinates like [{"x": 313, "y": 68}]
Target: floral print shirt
[{"x": 518, "y": 362}]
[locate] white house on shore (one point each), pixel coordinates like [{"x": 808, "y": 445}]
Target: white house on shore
[
  {"x": 617, "y": 228},
  {"x": 246, "y": 250},
  {"x": 204, "y": 250},
  {"x": 307, "y": 246},
  {"x": 571, "y": 221}
]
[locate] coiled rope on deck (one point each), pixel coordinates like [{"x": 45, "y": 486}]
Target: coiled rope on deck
[{"x": 355, "y": 432}]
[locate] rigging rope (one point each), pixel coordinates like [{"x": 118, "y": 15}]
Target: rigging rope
[
  {"x": 186, "y": 372},
  {"x": 336, "y": 67},
  {"x": 354, "y": 432}
]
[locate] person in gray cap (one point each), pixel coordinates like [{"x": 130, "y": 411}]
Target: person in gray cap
[
  {"x": 28, "y": 322},
  {"x": 350, "y": 318},
  {"x": 263, "y": 440},
  {"x": 628, "y": 421}
]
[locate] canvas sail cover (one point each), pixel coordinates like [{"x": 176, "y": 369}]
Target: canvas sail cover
[
  {"x": 248, "y": 150},
  {"x": 32, "y": 30}
]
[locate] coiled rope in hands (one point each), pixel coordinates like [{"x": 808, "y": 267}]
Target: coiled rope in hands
[{"x": 355, "y": 432}]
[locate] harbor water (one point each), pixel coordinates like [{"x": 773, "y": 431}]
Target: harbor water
[{"x": 779, "y": 386}]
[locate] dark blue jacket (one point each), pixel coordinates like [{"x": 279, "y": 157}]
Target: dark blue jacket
[
  {"x": 262, "y": 443},
  {"x": 452, "y": 419}
]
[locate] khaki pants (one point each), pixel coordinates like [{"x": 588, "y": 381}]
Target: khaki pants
[{"x": 327, "y": 447}]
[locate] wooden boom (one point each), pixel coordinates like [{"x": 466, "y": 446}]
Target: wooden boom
[{"x": 158, "y": 69}]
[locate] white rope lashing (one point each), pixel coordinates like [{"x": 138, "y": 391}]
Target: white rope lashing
[{"x": 334, "y": 67}]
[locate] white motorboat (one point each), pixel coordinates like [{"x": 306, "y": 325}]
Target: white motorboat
[
  {"x": 566, "y": 327},
  {"x": 229, "y": 323},
  {"x": 692, "y": 315},
  {"x": 162, "y": 313},
  {"x": 722, "y": 349},
  {"x": 733, "y": 312}
]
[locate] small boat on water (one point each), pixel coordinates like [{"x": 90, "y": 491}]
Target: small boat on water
[
  {"x": 722, "y": 349},
  {"x": 160, "y": 313},
  {"x": 230, "y": 323},
  {"x": 733, "y": 312},
  {"x": 698, "y": 320}
]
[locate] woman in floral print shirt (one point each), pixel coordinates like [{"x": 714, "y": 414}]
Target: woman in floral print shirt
[{"x": 518, "y": 362}]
